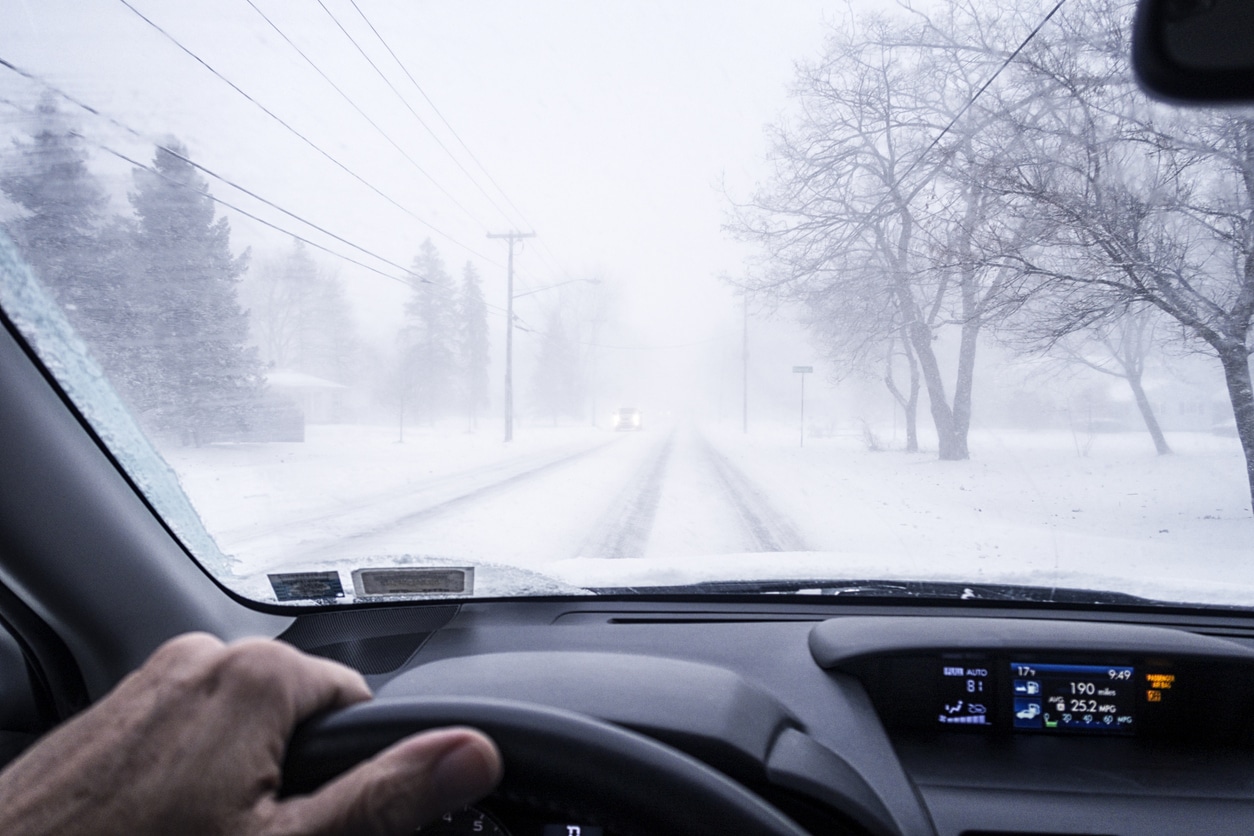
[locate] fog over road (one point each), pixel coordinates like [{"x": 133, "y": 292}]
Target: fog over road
[
  {"x": 570, "y": 508},
  {"x": 688, "y": 498},
  {"x": 666, "y": 491}
]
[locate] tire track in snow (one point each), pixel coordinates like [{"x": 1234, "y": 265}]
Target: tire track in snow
[
  {"x": 623, "y": 531},
  {"x": 483, "y": 474},
  {"x": 765, "y": 528},
  {"x": 466, "y": 487}
]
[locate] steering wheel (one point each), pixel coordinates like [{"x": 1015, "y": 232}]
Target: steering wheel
[{"x": 565, "y": 763}]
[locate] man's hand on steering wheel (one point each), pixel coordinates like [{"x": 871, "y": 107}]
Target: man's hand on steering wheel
[{"x": 193, "y": 742}]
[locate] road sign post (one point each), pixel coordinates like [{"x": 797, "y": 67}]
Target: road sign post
[{"x": 803, "y": 371}]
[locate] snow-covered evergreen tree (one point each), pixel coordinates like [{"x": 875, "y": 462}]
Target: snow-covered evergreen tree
[
  {"x": 62, "y": 209},
  {"x": 195, "y": 374},
  {"x": 430, "y": 338},
  {"x": 555, "y": 385},
  {"x": 472, "y": 344}
]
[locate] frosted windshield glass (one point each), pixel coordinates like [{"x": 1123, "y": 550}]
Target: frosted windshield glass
[{"x": 380, "y": 301}]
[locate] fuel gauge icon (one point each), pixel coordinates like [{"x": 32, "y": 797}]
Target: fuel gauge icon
[{"x": 1027, "y": 688}]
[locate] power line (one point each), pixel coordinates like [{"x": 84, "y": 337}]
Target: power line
[
  {"x": 421, "y": 121},
  {"x": 551, "y": 257},
  {"x": 287, "y": 212},
  {"x": 971, "y": 101},
  {"x": 247, "y": 214},
  {"x": 271, "y": 225},
  {"x": 348, "y": 99},
  {"x": 900, "y": 180},
  {"x": 259, "y": 220},
  {"x": 407, "y": 272},
  {"x": 301, "y": 136},
  {"x": 437, "y": 112},
  {"x": 128, "y": 129}
]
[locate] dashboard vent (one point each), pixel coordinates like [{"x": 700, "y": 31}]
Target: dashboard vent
[{"x": 373, "y": 641}]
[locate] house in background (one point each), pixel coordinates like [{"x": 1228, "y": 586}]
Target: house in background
[{"x": 319, "y": 400}]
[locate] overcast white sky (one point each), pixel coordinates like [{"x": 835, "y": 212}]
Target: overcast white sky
[{"x": 610, "y": 125}]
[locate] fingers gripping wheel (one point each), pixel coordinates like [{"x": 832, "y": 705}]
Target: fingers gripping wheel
[{"x": 576, "y": 764}]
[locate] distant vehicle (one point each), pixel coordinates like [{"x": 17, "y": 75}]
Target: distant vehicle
[{"x": 628, "y": 419}]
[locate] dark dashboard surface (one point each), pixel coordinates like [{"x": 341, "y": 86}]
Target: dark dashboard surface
[{"x": 841, "y": 721}]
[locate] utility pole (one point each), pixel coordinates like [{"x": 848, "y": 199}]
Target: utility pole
[{"x": 510, "y": 236}]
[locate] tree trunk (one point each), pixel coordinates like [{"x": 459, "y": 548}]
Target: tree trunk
[
  {"x": 965, "y": 383},
  {"x": 969, "y": 341},
  {"x": 912, "y": 403},
  {"x": 910, "y": 406},
  {"x": 1236, "y": 363},
  {"x": 1147, "y": 413},
  {"x": 912, "y": 418},
  {"x": 950, "y": 445},
  {"x": 918, "y": 333},
  {"x": 909, "y": 403}
]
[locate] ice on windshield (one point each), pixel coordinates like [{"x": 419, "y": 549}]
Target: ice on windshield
[
  {"x": 40, "y": 321},
  {"x": 623, "y": 295}
]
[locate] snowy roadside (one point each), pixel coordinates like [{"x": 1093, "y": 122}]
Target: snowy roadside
[
  {"x": 1026, "y": 508},
  {"x": 247, "y": 491}
]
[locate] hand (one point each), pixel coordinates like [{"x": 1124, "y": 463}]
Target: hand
[{"x": 193, "y": 741}]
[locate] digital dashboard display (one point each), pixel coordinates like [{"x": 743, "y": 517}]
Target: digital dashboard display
[
  {"x": 967, "y": 695},
  {"x": 1045, "y": 697},
  {"x": 1088, "y": 698}
]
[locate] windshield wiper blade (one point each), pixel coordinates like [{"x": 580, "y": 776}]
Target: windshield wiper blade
[{"x": 891, "y": 589}]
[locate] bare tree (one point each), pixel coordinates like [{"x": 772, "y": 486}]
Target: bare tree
[
  {"x": 1145, "y": 207},
  {"x": 880, "y": 218},
  {"x": 299, "y": 316},
  {"x": 1119, "y": 347}
]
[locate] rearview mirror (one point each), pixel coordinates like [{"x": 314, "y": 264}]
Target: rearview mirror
[{"x": 1199, "y": 51}]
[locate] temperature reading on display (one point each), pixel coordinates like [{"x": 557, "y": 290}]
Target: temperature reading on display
[
  {"x": 965, "y": 695},
  {"x": 1084, "y": 698}
]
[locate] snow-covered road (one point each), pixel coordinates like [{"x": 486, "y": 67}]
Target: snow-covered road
[
  {"x": 394, "y": 521},
  {"x": 657, "y": 494},
  {"x": 686, "y": 498},
  {"x": 561, "y": 508}
]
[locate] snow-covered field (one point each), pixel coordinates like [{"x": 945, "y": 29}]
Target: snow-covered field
[
  {"x": 566, "y": 508},
  {"x": 1034, "y": 508}
]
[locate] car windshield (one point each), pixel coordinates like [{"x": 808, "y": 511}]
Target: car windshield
[{"x": 380, "y": 301}]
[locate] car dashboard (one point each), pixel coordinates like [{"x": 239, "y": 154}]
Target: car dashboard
[{"x": 911, "y": 720}]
